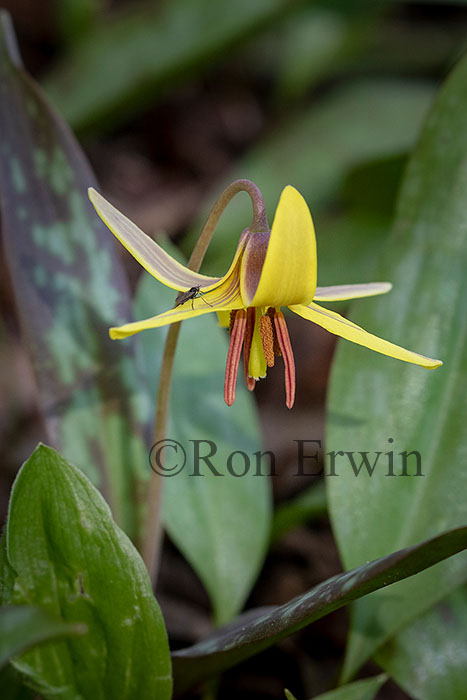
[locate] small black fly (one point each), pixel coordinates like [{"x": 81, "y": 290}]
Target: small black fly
[{"x": 192, "y": 293}]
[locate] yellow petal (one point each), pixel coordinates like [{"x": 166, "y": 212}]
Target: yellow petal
[
  {"x": 222, "y": 298},
  {"x": 342, "y": 292},
  {"x": 289, "y": 272},
  {"x": 334, "y": 323},
  {"x": 146, "y": 251}
]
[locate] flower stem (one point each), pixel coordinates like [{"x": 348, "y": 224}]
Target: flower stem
[{"x": 152, "y": 536}]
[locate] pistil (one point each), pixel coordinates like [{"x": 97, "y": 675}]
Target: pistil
[{"x": 250, "y": 325}]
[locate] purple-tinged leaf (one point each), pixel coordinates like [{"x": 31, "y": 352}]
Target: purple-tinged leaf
[{"x": 246, "y": 637}]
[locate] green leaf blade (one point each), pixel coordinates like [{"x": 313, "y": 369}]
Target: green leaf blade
[
  {"x": 74, "y": 562},
  {"x": 379, "y": 405},
  {"x": 428, "y": 658},
  {"x": 23, "y": 626}
]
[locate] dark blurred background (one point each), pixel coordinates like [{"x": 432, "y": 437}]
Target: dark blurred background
[{"x": 173, "y": 100}]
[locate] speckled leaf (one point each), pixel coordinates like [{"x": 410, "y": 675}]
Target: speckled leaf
[
  {"x": 360, "y": 690},
  {"x": 74, "y": 562},
  {"x": 428, "y": 659},
  {"x": 220, "y": 523},
  {"x": 69, "y": 288},
  {"x": 381, "y": 405},
  {"x": 248, "y": 636},
  {"x": 24, "y": 626}
]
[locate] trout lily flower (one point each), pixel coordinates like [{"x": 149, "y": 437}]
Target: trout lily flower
[{"x": 271, "y": 269}]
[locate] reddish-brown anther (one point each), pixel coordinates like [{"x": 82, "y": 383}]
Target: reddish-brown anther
[{"x": 267, "y": 339}]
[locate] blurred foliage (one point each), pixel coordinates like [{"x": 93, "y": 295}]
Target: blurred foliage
[
  {"x": 435, "y": 644},
  {"x": 128, "y": 60},
  {"x": 76, "y": 17},
  {"x": 309, "y": 505},
  {"x": 360, "y": 690},
  {"x": 314, "y": 150}
]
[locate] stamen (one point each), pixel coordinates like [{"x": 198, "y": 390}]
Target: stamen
[
  {"x": 267, "y": 339},
  {"x": 250, "y": 325},
  {"x": 271, "y": 314},
  {"x": 289, "y": 363},
  {"x": 233, "y": 356}
]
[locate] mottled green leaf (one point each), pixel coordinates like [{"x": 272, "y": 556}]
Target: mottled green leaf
[
  {"x": 314, "y": 151},
  {"x": 246, "y": 637},
  {"x": 69, "y": 287},
  {"x": 428, "y": 659},
  {"x": 132, "y": 58},
  {"x": 220, "y": 523},
  {"x": 74, "y": 562},
  {"x": 23, "y": 627},
  {"x": 381, "y": 405},
  {"x": 360, "y": 690}
]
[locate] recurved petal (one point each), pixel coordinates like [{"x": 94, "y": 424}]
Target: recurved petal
[
  {"x": 288, "y": 274},
  {"x": 222, "y": 298},
  {"x": 146, "y": 251},
  {"x": 334, "y": 323},
  {"x": 341, "y": 292}
]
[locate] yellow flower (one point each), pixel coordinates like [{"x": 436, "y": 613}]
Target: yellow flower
[{"x": 270, "y": 269}]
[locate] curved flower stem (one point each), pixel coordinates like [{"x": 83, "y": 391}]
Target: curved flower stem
[{"x": 152, "y": 535}]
